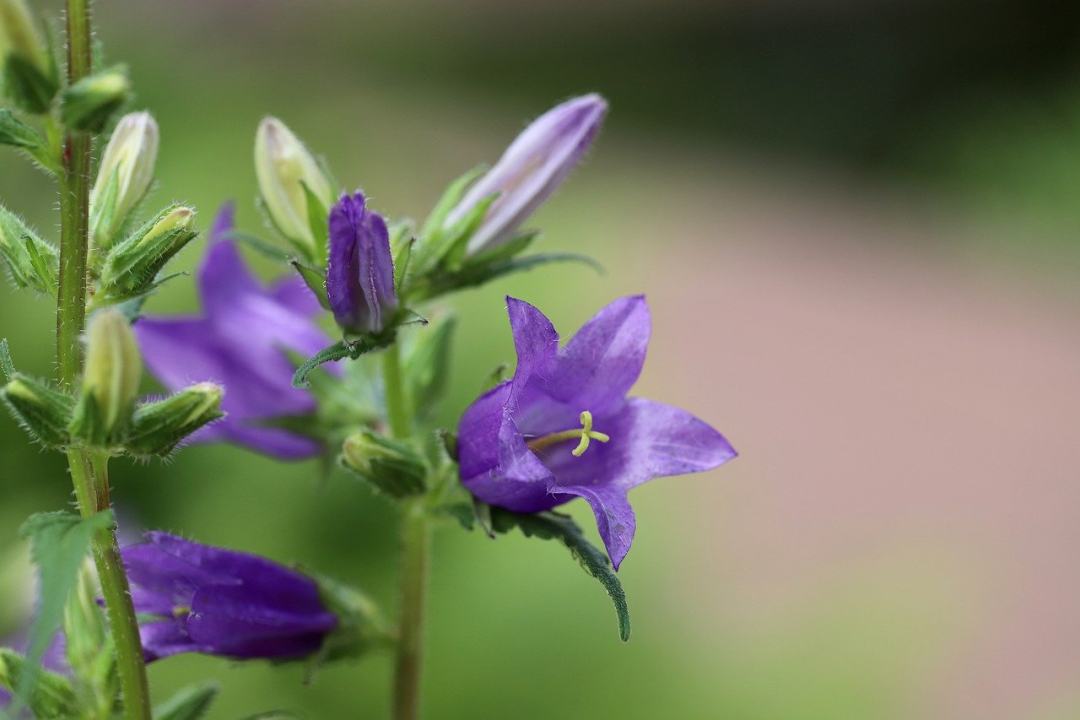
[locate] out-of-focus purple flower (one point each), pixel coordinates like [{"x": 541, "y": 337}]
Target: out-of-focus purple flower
[
  {"x": 563, "y": 427},
  {"x": 360, "y": 273},
  {"x": 240, "y": 342},
  {"x": 220, "y": 602},
  {"x": 530, "y": 170}
]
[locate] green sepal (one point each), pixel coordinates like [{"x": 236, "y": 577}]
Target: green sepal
[
  {"x": 191, "y": 703},
  {"x": 16, "y": 133},
  {"x": 39, "y": 408},
  {"x": 131, "y": 266},
  {"x": 391, "y": 466},
  {"x": 29, "y": 87},
  {"x": 427, "y": 364},
  {"x": 7, "y": 365},
  {"x": 59, "y": 544},
  {"x": 53, "y": 695},
  {"x": 102, "y": 218},
  {"x": 475, "y": 274},
  {"x": 361, "y": 628},
  {"x": 402, "y": 261},
  {"x": 556, "y": 526},
  {"x": 90, "y": 103},
  {"x": 314, "y": 279},
  {"x": 88, "y": 424},
  {"x": 338, "y": 351},
  {"x": 31, "y": 262},
  {"x": 453, "y": 194},
  {"x": 158, "y": 427},
  {"x": 319, "y": 222}
]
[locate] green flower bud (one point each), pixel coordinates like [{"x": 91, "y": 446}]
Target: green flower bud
[
  {"x": 284, "y": 167},
  {"x": 85, "y": 634},
  {"x": 29, "y": 76},
  {"x": 391, "y": 466},
  {"x": 31, "y": 262},
  {"x": 89, "y": 103},
  {"x": 131, "y": 266},
  {"x": 52, "y": 695},
  {"x": 40, "y": 409},
  {"x": 124, "y": 176},
  {"x": 158, "y": 427},
  {"x": 110, "y": 380},
  {"x": 16, "y": 133}
]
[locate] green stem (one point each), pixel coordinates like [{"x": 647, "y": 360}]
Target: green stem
[
  {"x": 415, "y": 544},
  {"x": 397, "y": 406},
  {"x": 89, "y": 474}
]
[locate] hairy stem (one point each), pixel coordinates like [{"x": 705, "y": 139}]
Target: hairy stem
[
  {"x": 415, "y": 545},
  {"x": 89, "y": 472}
]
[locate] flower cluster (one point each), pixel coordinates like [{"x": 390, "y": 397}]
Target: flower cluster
[{"x": 259, "y": 368}]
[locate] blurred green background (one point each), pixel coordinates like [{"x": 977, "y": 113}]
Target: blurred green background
[{"x": 856, "y": 224}]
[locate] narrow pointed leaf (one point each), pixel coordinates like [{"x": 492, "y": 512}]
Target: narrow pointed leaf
[
  {"x": 554, "y": 526},
  {"x": 191, "y": 703}
]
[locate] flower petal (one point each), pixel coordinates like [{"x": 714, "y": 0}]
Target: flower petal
[
  {"x": 223, "y": 275},
  {"x": 614, "y": 517},
  {"x": 165, "y": 638},
  {"x": 604, "y": 359},
  {"x": 360, "y": 272},
  {"x": 667, "y": 440}
]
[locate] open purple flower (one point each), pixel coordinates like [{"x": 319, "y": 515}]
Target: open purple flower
[
  {"x": 360, "y": 273},
  {"x": 240, "y": 342},
  {"x": 219, "y": 602},
  {"x": 531, "y": 169},
  {"x": 563, "y": 427}
]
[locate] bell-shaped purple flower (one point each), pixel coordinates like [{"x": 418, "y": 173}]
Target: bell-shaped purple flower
[
  {"x": 220, "y": 602},
  {"x": 530, "y": 170},
  {"x": 564, "y": 428},
  {"x": 240, "y": 342},
  {"x": 360, "y": 272}
]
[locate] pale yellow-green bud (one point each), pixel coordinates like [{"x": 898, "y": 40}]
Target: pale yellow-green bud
[
  {"x": 113, "y": 368},
  {"x": 124, "y": 176},
  {"x": 283, "y": 166},
  {"x": 132, "y": 266},
  {"x": 18, "y": 35},
  {"x": 91, "y": 102}
]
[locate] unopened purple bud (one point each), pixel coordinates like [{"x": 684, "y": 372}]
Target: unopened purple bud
[
  {"x": 360, "y": 273},
  {"x": 530, "y": 170}
]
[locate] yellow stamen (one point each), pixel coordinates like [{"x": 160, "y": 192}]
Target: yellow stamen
[{"x": 584, "y": 435}]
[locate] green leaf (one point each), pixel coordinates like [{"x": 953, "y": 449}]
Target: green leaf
[
  {"x": 191, "y": 703},
  {"x": 266, "y": 248},
  {"x": 51, "y": 697},
  {"x": 59, "y": 542},
  {"x": 555, "y": 526},
  {"x": 31, "y": 262},
  {"x": 16, "y": 133},
  {"x": 338, "y": 351},
  {"x": 509, "y": 249},
  {"x": 30, "y": 88},
  {"x": 427, "y": 364}
]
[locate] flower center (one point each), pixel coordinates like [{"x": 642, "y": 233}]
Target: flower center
[
  {"x": 181, "y": 611},
  {"x": 584, "y": 435}
]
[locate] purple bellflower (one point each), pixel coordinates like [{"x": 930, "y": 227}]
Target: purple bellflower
[
  {"x": 563, "y": 428},
  {"x": 240, "y": 342},
  {"x": 531, "y": 169},
  {"x": 360, "y": 273},
  {"x": 220, "y": 602}
]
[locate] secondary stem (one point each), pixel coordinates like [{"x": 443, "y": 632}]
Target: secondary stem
[
  {"x": 89, "y": 474},
  {"x": 415, "y": 546}
]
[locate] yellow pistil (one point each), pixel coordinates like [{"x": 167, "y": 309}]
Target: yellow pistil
[
  {"x": 584, "y": 435},
  {"x": 181, "y": 611}
]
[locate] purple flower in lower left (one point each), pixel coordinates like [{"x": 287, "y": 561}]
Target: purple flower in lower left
[{"x": 220, "y": 602}]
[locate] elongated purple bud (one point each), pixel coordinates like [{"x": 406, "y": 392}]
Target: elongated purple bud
[
  {"x": 360, "y": 273},
  {"x": 530, "y": 170}
]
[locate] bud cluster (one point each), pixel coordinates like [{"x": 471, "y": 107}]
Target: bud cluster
[
  {"x": 30, "y": 76},
  {"x": 106, "y": 413}
]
